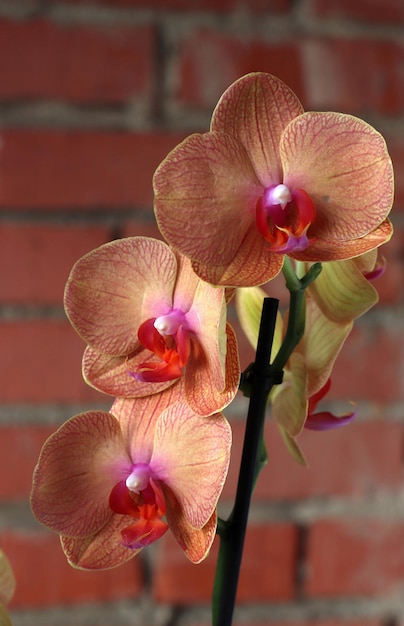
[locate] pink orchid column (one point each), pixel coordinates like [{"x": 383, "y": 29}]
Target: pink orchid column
[
  {"x": 112, "y": 483},
  {"x": 268, "y": 180},
  {"x": 151, "y": 323}
]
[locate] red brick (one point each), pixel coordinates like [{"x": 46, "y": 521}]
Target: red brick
[
  {"x": 373, "y": 85},
  {"x": 80, "y": 169},
  {"x": 232, "y": 56},
  {"x": 218, "y": 6},
  {"x": 36, "y": 259},
  {"x": 40, "y": 59},
  {"x": 353, "y": 461},
  {"x": 38, "y": 552},
  {"x": 23, "y": 443},
  {"x": 355, "y": 557},
  {"x": 137, "y": 228},
  {"x": 364, "y": 10},
  {"x": 269, "y": 577},
  {"x": 370, "y": 363},
  {"x": 41, "y": 362}
]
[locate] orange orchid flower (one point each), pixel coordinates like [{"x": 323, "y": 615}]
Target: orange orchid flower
[
  {"x": 112, "y": 483},
  {"x": 150, "y": 322},
  {"x": 269, "y": 179}
]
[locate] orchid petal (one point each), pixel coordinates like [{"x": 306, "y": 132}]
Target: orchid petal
[
  {"x": 103, "y": 550},
  {"x": 327, "y": 421},
  {"x": 293, "y": 447},
  {"x": 191, "y": 457},
  {"x": 289, "y": 402},
  {"x": 327, "y": 249},
  {"x": 76, "y": 470},
  {"x": 342, "y": 292},
  {"x": 206, "y": 187},
  {"x": 254, "y": 264},
  {"x": 114, "y": 374},
  {"x": 102, "y": 293},
  {"x": 203, "y": 394},
  {"x": 7, "y": 579},
  {"x": 321, "y": 345},
  {"x": 4, "y": 617},
  {"x": 343, "y": 164},
  {"x": 255, "y": 110},
  {"x": 249, "y": 303},
  {"x": 195, "y": 542},
  {"x": 138, "y": 418}
]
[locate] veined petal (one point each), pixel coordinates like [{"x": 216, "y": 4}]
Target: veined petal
[
  {"x": 114, "y": 374},
  {"x": 255, "y": 110},
  {"x": 206, "y": 187},
  {"x": 203, "y": 394},
  {"x": 138, "y": 418},
  {"x": 195, "y": 542},
  {"x": 103, "y": 550},
  {"x": 321, "y": 344},
  {"x": 102, "y": 292},
  {"x": 76, "y": 470},
  {"x": 342, "y": 292},
  {"x": 191, "y": 456},
  {"x": 293, "y": 447},
  {"x": 253, "y": 264},
  {"x": 249, "y": 302},
  {"x": 329, "y": 249},
  {"x": 290, "y": 402},
  {"x": 7, "y": 580},
  {"x": 343, "y": 164}
]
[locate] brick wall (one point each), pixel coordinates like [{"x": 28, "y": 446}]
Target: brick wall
[{"x": 93, "y": 94}]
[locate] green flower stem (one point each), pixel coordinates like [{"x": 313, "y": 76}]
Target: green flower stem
[
  {"x": 232, "y": 531},
  {"x": 262, "y": 376}
]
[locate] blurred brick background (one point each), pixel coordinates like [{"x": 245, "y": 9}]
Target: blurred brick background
[{"x": 93, "y": 94}]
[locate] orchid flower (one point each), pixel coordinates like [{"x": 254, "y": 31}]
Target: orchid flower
[
  {"x": 112, "y": 483},
  {"x": 7, "y": 588},
  {"x": 270, "y": 180},
  {"x": 150, "y": 322},
  {"x": 307, "y": 373}
]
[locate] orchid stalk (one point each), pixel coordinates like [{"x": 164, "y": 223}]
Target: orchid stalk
[{"x": 262, "y": 376}]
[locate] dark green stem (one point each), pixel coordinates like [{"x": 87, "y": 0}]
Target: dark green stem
[
  {"x": 233, "y": 530},
  {"x": 260, "y": 378}
]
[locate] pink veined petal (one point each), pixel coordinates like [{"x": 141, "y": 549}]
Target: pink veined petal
[
  {"x": 102, "y": 550},
  {"x": 114, "y": 375},
  {"x": 138, "y": 418},
  {"x": 206, "y": 186},
  {"x": 255, "y": 110},
  {"x": 343, "y": 164},
  {"x": 195, "y": 542},
  {"x": 76, "y": 470},
  {"x": 332, "y": 250},
  {"x": 253, "y": 264},
  {"x": 201, "y": 390},
  {"x": 191, "y": 456},
  {"x": 102, "y": 292}
]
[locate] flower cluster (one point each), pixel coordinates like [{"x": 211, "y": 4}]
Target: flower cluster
[{"x": 269, "y": 187}]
